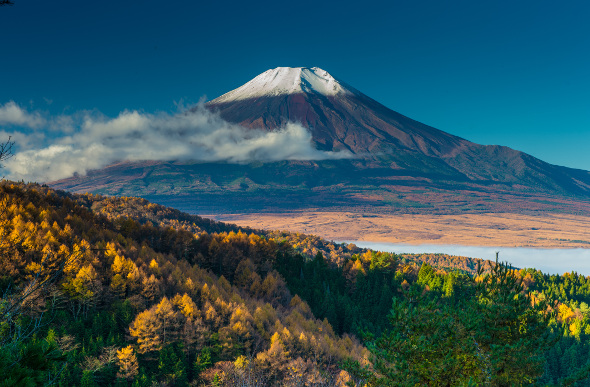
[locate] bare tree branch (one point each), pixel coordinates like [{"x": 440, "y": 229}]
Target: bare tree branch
[{"x": 6, "y": 148}]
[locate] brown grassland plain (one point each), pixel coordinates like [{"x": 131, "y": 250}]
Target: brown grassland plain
[{"x": 487, "y": 229}]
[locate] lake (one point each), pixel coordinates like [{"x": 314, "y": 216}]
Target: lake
[{"x": 551, "y": 261}]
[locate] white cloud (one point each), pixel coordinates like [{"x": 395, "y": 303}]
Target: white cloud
[
  {"x": 87, "y": 141},
  {"x": 12, "y": 114}
]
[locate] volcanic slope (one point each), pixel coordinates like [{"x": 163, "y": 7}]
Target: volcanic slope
[
  {"x": 390, "y": 159},
  {"x": 342, "y": 118}
]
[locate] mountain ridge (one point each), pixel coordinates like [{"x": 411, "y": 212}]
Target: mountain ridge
[
  {"x": 391, "y": 152},
  {"x": 352, "y": 121}
]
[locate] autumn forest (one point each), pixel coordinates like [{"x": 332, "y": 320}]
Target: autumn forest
[{"x": 119, "y": 291}]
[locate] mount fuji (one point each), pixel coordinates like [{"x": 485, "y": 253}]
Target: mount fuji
[{"x": 394, "y": 162}]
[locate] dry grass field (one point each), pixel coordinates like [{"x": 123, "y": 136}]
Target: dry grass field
[{"x": 489, "y": 229}]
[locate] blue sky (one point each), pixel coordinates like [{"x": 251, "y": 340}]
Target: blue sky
[{"x": 513, "y": 73}]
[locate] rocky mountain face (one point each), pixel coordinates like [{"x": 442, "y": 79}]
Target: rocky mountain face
[
  {"x": 339, "y": 117},
  {"x": 390, "y": 154},
  {"x": 342, "y": 118}
]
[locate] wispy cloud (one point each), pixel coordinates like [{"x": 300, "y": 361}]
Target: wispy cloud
[
  {"x": 60, "y": 147},
  {"x": 13, "y": 115}
]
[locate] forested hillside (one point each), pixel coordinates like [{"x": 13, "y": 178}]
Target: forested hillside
[
  {"x": 308, "y": 245},
  {"x": 149, "y": 304},
  {"x": 119, "y": 291}
]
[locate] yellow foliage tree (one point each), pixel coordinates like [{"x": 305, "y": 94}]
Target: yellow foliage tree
[
  {"x": 118, "y": 285},
  {"x": 187, "y": 306},
  {"x": 154, "y": 266},
  {"x": 166, "y": 314},
  {"x": 127, "y": 362},
  {"x": 565, "y": 313},
  {"x": 146, "y": 328}
]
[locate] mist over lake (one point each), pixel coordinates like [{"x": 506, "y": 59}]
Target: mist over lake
[{"x": 551, "y": 261}]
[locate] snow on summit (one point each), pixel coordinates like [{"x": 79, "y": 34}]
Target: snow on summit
[{"x": 287, "y": 80}]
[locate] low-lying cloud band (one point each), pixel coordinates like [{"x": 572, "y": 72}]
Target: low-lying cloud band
[{"x": 53, "y": 148}]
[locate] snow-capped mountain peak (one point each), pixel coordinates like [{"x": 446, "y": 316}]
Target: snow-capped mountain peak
[{"x": 287, "y": 80}]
